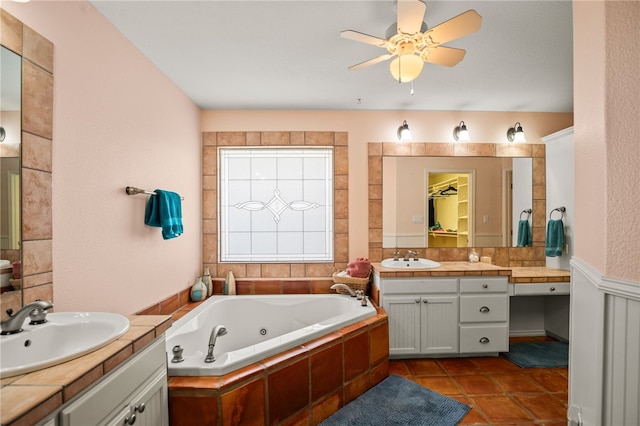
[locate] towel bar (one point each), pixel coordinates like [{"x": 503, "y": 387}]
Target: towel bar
[{"x": 132, "y": 190}]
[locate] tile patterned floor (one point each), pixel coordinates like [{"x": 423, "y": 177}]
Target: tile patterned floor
[{"x": 497, "y": 390}]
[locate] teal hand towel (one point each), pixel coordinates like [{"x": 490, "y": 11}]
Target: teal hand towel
[
  {"x": 524, "y": 234},
  {"x": 164, "y": 210},
  {"x": 555, "y": 238}
]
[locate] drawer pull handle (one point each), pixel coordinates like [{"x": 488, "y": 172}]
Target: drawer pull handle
[
  {"x": 140, "y": 407},
  {"x": 484, "y": 309},
  {"x": 485, "y": 286},
  {"x": 130, "y": 419},
  {"x": 552, "y": 289},
  {"x": 418, "y": 301},
  {"x": 425, "y": 301},
  {"x": 484, "y": 340}
]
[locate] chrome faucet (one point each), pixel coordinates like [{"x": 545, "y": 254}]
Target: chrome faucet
[
  {"x": 36, "y": 310},
  {"x": 218, "y": 330},
  {"x": 410, "y": 253},
  {"x": 344, "y": 287}
]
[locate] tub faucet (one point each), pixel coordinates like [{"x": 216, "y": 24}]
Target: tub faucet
[
  {"x": 344, "y": 287},
  {"x": 218, "y": 330},
  {"x": 36, "y": 310}
]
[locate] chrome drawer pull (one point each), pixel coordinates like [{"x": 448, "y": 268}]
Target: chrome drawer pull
[
  {"x": 425, "y": 301},
  {"x": 484, "y": 309},
  {"x": 484, "y": 340},
  {"x": 485, "y": 286},
  {"x": 418, "y": 301},
  {"x": 552, "y": 289}
]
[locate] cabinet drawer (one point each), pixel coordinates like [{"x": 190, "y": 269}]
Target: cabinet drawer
[
  {"x": 478, "y": 339},
  {"x": 541, "y": 289},
  {"x": 483, "y": 308},
  {"x": 483, "y": 285},
  {"x": 419, "y": 285}
]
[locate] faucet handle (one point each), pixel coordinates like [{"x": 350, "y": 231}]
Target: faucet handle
[{"x": 9, "y": 312}]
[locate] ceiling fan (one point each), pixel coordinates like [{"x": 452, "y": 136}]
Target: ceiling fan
[{"x": 413, "y": 43}]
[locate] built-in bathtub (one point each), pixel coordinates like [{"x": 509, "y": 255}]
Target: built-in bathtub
[
  {"x": 257, "y": 327},
  {"x": 284, "y": 358}
]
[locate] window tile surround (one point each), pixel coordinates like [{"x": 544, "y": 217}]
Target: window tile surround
[
  {"x": 502, "y": 256},
  {"x": 211, "y": 141}
]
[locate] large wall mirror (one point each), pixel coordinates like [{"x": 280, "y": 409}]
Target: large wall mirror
[
  {"x": 26, "y": 119},
  {"x": 10, "y": 132},
  {"x": 446, "y": 199},
  {"x": 454, "y": 201}
]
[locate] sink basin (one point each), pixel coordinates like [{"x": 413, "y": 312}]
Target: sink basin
[
  {"x": 409, "y": 264},
  {"x": 65, "y": 336}
]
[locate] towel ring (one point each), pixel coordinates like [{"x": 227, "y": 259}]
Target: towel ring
[
  {"x": 559, "y": 209},
  {"x": 527, "y": 211}
]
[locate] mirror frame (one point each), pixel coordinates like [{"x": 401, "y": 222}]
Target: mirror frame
[
  {"x": 501, "y": 256},
  {"x": 36, "y": 162}
]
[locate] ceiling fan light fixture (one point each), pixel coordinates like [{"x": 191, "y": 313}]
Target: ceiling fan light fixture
[
  {"x": 406, "y": 68},
  {"x": 460, "y": 133},
  {"x": 404, "y": 134},
  {"x": 515, "y": 134}
]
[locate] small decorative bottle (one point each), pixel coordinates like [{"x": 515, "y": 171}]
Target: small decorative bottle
[
  {"x": 198, "y": 291},
  {"x": 206, "y": 279}
]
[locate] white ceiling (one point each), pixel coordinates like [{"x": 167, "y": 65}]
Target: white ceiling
[{"x": 266, "y": 54}]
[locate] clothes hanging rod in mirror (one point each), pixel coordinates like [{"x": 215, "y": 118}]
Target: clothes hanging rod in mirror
[{"x": 132, "y": 190}]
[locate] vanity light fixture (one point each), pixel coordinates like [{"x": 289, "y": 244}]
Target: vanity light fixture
[
  {"x": 516, "y": 134},
  {"x": 460, "y": 133},
  {"x": 404, "y": 134}
]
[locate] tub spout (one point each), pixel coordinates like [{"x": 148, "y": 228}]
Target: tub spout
[
  {"x": 344, "y": 287},
  {"x": 218, "y": 330}
]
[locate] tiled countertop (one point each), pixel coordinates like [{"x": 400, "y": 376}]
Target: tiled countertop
[
  {"x": 517, "y": 275},
  {"x": 542, "y": 274},
  {"x": 28, "y": 398}
]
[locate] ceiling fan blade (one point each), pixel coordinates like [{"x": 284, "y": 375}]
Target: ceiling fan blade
[
  {"x": 371, "y": 62},
  {"x": 442, "y": 55},
  {"x": 456, "y": 27},
  {"x": 363, "y": 38},
  {"x": 410, "y": 16}
]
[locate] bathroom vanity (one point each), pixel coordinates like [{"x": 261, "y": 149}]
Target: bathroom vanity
[
  {"x": 461, "y": 308},
  {"x": 121, "y": 383}
]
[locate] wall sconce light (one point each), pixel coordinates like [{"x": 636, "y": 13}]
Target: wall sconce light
[
  {"x": 404, "y": 134},
  {"x": 516, "y": 134},
  {"x": 460, "y": 132}
]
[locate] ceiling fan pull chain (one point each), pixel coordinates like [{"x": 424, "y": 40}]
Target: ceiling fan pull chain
[{"x": 411, "y": 87}]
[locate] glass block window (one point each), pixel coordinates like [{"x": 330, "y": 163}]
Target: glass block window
[{"x": 276, "y": 204}]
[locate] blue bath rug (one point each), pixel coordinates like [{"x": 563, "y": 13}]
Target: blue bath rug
[
  {"x": 539, "y": 354},
  {"x": 397, "y": 401}
]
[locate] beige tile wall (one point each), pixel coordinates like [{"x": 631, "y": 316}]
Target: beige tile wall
[{"x": 37, "y": 134}]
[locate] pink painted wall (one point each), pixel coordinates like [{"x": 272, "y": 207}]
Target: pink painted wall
[
  {"x": 117, "y": 121},
  {"x": 379, "y": 126},
  {"x": 607, "y": 136}
]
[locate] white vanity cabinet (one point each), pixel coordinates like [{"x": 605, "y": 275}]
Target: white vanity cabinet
[
  {"x": 134, "y": 393},
  {"x": 440, "y": 316},
  {"x": 423, "y": 314}
]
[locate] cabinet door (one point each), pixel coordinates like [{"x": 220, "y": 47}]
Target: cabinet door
[
  {"x": 149, "y": 405},
  {"x": 404, "y": 324},
  {"x": 439, "y": 324}
]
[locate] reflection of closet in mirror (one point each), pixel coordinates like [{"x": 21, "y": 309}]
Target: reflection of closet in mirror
[{"x": 449, "y": 209}]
